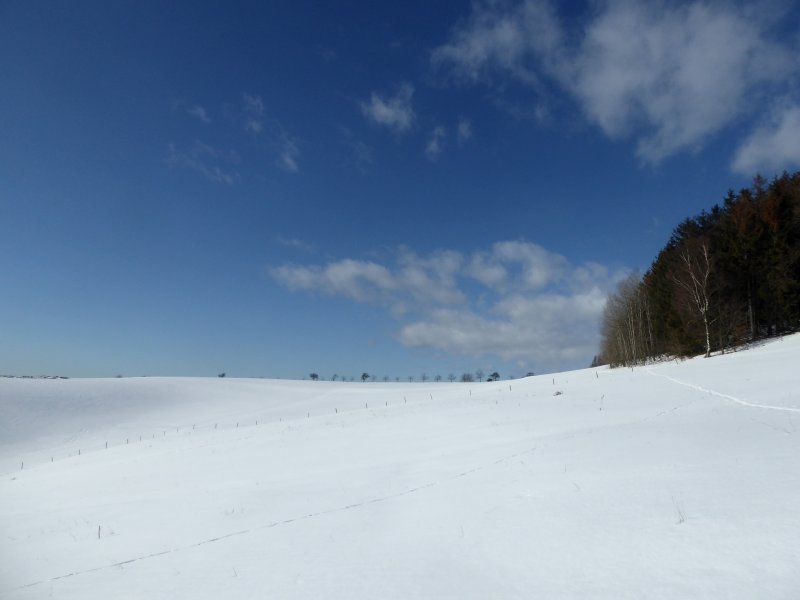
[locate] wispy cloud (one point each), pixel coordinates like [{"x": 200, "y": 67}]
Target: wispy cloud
[
  {"x": 394, "y": 112},
  {"x": 360, "y": 155},
  {"x": 288, "y": 153},
  {"x": 668, "y": 75},
  {"x": 262, "y": 139},
  {"x": 328, "y": 54},
  {"x": 204, "y": 159},
  {"x": 271, "y": 133},
  {"x": 295, "y": 243},
  {"x": 531, "y": 305},
  {"x": 500, "y": 38},
  {"x": 772, "y": 147},
  {"x": 253, "y": 108},
  {"x": 435, "y": 143},
  {"x": 198, "y": 112},
  {"x": 463, "y": 130}
]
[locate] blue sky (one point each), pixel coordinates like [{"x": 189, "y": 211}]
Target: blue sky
[{"x": 343, "y": 187}]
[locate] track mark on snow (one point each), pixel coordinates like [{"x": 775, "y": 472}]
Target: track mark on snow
[
  {"x": 275, "y": 523},
  {"x": 724, "y": 396}
]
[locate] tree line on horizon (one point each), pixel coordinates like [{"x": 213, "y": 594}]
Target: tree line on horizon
[
  {"x": 464, "y": 377},
  {"x": 726, "y": 277}
]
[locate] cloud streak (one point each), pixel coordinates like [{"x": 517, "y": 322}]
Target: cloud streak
[{"x": 515, "y": 300}]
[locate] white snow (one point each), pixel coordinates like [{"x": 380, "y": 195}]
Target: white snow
[{"x": 679, "y": 480}]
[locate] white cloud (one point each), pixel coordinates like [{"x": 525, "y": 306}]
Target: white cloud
[
  {"x": 682, "y": 73},
  {"x": 253, "y": 107},
  {"x": 414, "y": 281},
  {"x": 539, "y": 267},
  {"x": 198, "y": 112},
  {"x": 362, "y": 281},
  {"x": 430, "y": 280},
  {"x": 523, "y": 265},
  {"x": 498, "y": 36},
  {"x": 486, "y": 270},
  {"x": 772, "y": 147},
  {"x": 668, "y": 75},
  {"x": 204, "y": 159},
  {"x": 542, "y": 331},
  {"x": 532, "y": 305},
  {"x": 394, "y": 112},
  {"x": 435, "y": 143}
]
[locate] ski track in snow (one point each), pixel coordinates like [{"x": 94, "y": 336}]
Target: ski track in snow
[
  {"x": 724, "y": 396},
  {"x": 276, "y": 523}
]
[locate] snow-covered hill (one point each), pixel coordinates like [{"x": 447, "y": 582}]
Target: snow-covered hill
[{"x": 680, "y": 480}]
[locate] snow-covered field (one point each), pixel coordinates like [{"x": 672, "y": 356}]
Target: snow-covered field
[{"x": 680, "y": 480}]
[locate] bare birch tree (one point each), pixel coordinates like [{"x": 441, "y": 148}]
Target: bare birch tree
[{"x": 693, "y": 279}]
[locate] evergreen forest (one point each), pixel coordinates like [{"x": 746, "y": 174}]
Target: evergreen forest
[{"x": 725, "y": 278}]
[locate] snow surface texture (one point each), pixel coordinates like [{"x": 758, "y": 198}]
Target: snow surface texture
[{"x": 679, "y": 480}]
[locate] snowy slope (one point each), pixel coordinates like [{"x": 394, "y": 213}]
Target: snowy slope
[{"x": 680, "y": 480}]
